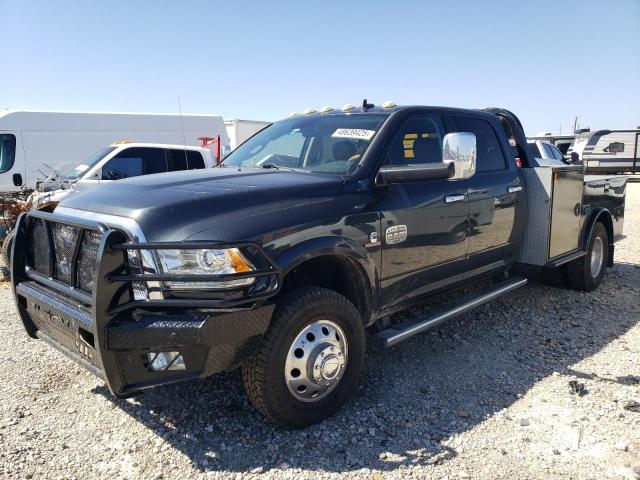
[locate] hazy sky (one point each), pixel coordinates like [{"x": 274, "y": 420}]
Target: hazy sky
[{"x": 546, "y": 60}]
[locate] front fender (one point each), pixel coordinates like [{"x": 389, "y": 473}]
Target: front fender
[{"x": 333, "y": 245}]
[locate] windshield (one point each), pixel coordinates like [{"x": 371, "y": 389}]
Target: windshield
[
  {"x": 81, "y": 169},
  {"x": 322, "y": 144}
]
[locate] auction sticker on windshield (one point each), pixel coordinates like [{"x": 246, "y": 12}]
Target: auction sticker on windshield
[{"x": 357, "y": 133}]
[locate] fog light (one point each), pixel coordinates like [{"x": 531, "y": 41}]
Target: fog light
[{"x": 161, "y": 361}]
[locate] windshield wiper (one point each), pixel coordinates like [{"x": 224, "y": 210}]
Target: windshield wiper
[{"x": 280, "y": 167}]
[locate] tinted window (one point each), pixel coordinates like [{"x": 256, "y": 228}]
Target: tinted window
[
  {"x": 557, "y": 154},
  {"x": 418, "y": 141},
  {"x": 548, "y": 150},
  {"x": 7, "y": 151},
  {"x": 489, "y": 154},
  {"x": 535, "y": 151},
  {"x": 133, "y": 162},
  {"x": 194, "y": 159},
  {"x": 176, "y": 160}
]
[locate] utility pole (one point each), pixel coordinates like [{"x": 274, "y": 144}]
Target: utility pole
[{"x": 575, "y": 124}]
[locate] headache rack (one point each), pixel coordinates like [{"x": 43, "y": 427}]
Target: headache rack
[{"x": 77, "y": 258}]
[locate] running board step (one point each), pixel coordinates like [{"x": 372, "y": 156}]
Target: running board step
[{"x": 402, "y": 331}]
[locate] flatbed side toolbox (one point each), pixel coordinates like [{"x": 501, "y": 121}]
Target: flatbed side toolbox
[{"x": 554, "y": 213}]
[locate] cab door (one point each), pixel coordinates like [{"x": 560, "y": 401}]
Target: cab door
[
  {"x": 494, "y": 191},
  {"x": 423, "y": 223}
]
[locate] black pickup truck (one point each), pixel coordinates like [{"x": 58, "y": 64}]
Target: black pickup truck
[{"x": 302, "y": 247}]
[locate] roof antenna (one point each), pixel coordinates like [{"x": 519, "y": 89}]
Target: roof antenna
[
  {"x": 366, "y": 106},
  {"x": 184, "y": 140}
]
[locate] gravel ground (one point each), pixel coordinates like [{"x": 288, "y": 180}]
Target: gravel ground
[{"x": 540, "y": 384}]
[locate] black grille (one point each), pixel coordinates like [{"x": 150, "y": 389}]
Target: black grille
[
  {"x": 53, "y": 247},
  {"x": 87, "y": 260},
  {"x": 64, "y": 242},
  {"x": 40, "y": 248}
]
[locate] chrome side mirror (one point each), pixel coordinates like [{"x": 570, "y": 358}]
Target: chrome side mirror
[{"x": 460, "y": 149}]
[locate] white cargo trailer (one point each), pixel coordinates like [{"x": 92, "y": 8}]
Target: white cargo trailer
[
  {"x": 240, "y": 130},
  {"x": 34, "y": 144}
]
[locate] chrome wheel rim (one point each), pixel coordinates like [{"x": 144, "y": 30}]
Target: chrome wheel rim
[
  {"x": 316, "y": 361},
  {"x": 597, "y": 256}
]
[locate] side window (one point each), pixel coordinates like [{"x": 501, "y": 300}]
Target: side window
[
  {"x": 418, "y": 141},
  {"x": 489, "y": 154},
  {"x": 557, "y": 153},
  {"x": 194, "y": 160},
  {"x": 134, "y": 162},
  {"x": 176, "y": 160},
  {"x": 7, "y": 151},
  {"x": 535, "y": 151},
  {"x": 549, "y": 150}
]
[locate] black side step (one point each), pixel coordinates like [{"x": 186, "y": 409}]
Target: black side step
[{"x": 407, "y": 329}]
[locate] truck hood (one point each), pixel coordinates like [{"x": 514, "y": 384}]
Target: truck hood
[{"x": 179, "y": 205}]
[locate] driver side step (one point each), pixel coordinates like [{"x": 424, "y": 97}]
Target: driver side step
[{"x": 402, "y": 331}]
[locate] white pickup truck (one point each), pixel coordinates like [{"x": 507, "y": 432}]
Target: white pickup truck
[{"x": 117, "y": 161}]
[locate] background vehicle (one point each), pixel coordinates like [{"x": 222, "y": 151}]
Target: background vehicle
[
  {"x": 607, "y": 151},
  {"x": 545, "y": 154},
  {"x": 240, "y": 130},
  {"x": 34, "y": 144},
  {"x": 561, "y": 142},
  {"x": 315, "y": 229},
  {"x": 115, "y": 162}
]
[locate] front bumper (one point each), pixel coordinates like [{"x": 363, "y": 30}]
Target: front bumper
[{"x": 114, "y": 336}]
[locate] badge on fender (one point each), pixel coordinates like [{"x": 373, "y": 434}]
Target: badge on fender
[{"x": 395, "y": 234}]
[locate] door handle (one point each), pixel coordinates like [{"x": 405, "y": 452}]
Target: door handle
[
  {"x": 515, "y": 189},
  {"x": 454, "y": 198}
]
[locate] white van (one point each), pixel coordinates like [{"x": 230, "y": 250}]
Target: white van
[
  {"x": 34, "y": 144},
  {"x": 241, "y": 130}
]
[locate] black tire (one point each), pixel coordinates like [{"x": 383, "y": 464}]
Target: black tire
[
  {"x": 6, "y": 249},
  {"x": 263, "y": 374},
  {"x": 579, "y": 271}
]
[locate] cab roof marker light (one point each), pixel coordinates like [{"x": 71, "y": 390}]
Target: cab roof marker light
[
  {"x": 309, "y": 111},
  {"x": 347, "y": 107},
  {"x": 388, "y": 104},
  {"x": 293, "y": 114},
  {"x": 326, "y": 109}
]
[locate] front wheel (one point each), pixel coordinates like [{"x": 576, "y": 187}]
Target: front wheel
[
  {"x": 586, "y": 273},
  {"x": 310, "y": 359}
]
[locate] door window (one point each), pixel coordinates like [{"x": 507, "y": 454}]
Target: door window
[
  {"x": 134, "y": 162},
  {"x": 489, "y": 153},
  {"x": 557, "y": 154},
  {"x": 176, "y": 160},
  {"x": 7, "y": 151},
  {"x": 194, "y": 160},
  {"x": 548, "y": 150},
  {"x": 418, "y": 141},
  {"x": 535, "y": 151}
]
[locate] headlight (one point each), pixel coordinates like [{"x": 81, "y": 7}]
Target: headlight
[{"x": 205, "y": 262}]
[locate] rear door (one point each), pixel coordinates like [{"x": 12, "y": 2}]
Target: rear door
[
  {"x": 184, "y": 160},
  {"x": 493, "y": 192},
  {"x": 424, "y": 223}
]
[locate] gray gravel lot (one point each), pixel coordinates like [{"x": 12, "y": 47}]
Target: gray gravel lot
[{"x": 540, "y": 384}]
